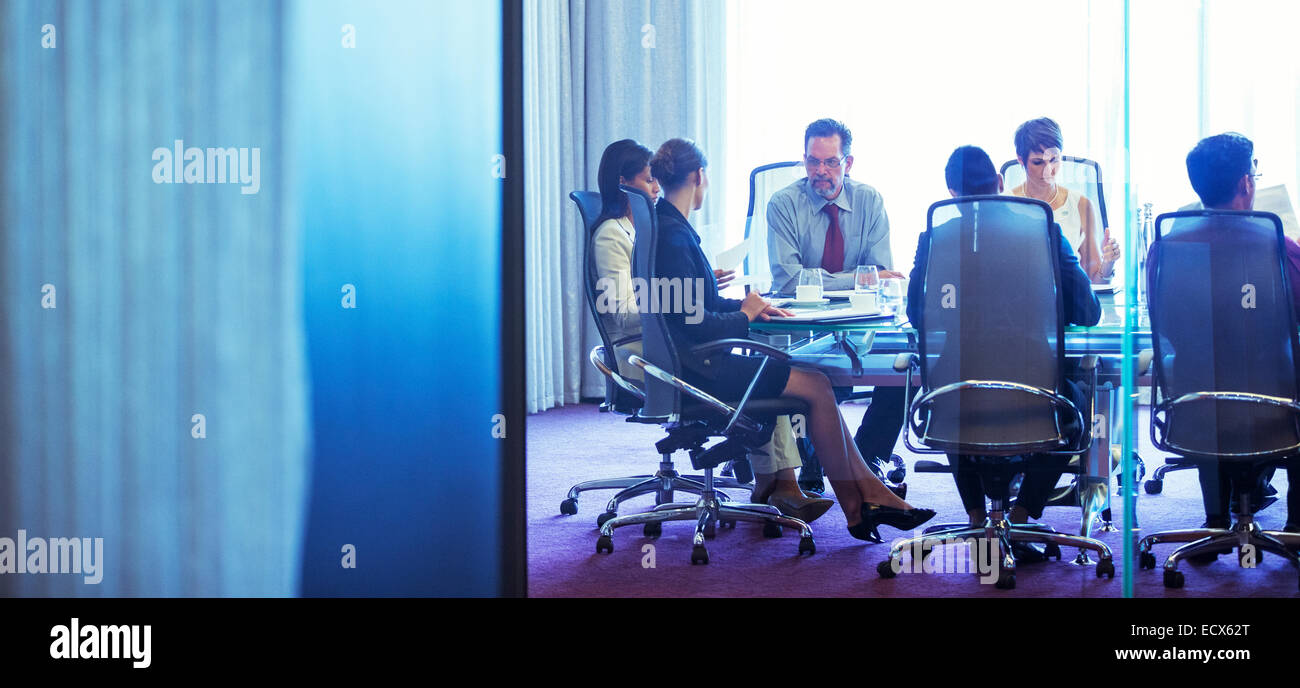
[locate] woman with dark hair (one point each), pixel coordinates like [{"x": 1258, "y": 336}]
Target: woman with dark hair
[
  {"x": 679, "y": 166},
  {"x": 627, "y": 163},
  {"x": 1038, "y": 148}
]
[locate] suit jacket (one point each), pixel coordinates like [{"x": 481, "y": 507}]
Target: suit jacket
[{"x": 679, "y": 256}]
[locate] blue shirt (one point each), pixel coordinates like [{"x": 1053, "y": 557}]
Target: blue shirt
[{"x": 797, "y": 229}]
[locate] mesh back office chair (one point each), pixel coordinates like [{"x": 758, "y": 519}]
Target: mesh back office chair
[
  {"x": 622, "y": 395},
  {"x": 764, "y": 181},
  {"x": 991, "y": 356},
  {"x": 692, "y": 417},
  {"x": 1080, "y": 175},
  {"x": 1226, "y": 385},
  {"x": 1083, "y": 177}
]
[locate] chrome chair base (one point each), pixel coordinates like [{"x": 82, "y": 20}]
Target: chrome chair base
[
  {"x": 708, "y": 512},
  {"x": 1000, "y": 531},
  {"x": 1245, "y": 536},
  {"x": 663, "y": 484}
]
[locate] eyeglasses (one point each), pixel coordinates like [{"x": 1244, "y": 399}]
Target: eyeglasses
[
  {"x": 814, "y": 163},
  {"x": 1254, "y": 169}
]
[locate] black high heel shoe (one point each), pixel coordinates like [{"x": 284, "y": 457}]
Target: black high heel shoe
[{"x": 875, "y": 515}]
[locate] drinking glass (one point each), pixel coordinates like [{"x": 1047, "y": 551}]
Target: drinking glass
[
  {"x": 891, "y": 291},
  {"x": 866, "y": 279},
  {"x": 809, "y": 287}
]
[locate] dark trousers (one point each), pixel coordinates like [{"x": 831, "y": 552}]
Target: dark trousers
[
  {"x": 881, "y": 424},
  {"x": 1217, "y": 492},
  {"x": 1042, "y": 471}
]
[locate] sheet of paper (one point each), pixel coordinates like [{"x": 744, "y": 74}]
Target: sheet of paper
[
  {"x": 1273, "y": 199},
  {"x": 1276, "y": 200},
  {"x": 730, "y": 259},
  {"x": 828, "y": 314}
]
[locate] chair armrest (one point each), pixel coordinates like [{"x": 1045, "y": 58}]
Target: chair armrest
[
  {"x": 1144, "y": 361},
  {"x": 687, "y": 388},
  {"x": 904, "y": 361},
  {"x": 735, "y": 343},
  {"x": 1160, "y": 419},
  {"x": 597, "y": 358}
]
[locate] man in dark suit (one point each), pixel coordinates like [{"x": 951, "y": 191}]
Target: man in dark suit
[
  {"x": 970, "y": 172},
  {"x": 1222, "y": 170}
]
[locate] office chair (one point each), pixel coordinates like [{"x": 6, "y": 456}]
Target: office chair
[
  {"x": 623, "y": 396},
  {"x": 1226, "y": 383},
  {"x": 1083, "y": 177},
  {"x": 991, "y": 355},
  {"x": 764, "y": 181},
  {"x": 692, "y": 417}
]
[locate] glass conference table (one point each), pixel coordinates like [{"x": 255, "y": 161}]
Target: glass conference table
[{"x": 862, "y": 353}]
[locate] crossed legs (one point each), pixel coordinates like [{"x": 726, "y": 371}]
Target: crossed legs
[{"x": 852, "y": 481}]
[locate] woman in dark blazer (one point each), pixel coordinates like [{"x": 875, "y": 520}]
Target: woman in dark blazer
[{"x": 867, "y": 503}]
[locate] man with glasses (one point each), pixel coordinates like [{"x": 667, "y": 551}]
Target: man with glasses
[
  {"x": 831, "y": 223},
  {"x": 1224, "y": 173}
]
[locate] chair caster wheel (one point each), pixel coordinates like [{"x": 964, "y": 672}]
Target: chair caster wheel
[
  {"x": 1153, "y": 486},
  {"x": 1006, "y": 581},
  {"x": 1051, "y": 550},
  {"x": 601, "y": 519},
  {"x": 1174, "y": 579},
  {"x": 1106, "y": 567},
  {"x": 899, "y": 489},
  {"x": 699, "y": 555},
  {"x": 653, "y": 529},
  {"x": 807, "y": 546},
  {"x": 569, "y": 507},
  {"x": 1146, "y": 560},
  {"x": 771, "y": 530},
  {"x": 886, "y": 569},
  {"x": 604, "y": 545}
]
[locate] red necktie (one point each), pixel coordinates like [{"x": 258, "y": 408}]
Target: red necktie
[{"x": 833, "y": 250}]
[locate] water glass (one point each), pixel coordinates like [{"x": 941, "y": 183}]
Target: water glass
[
  {"x": 810, "y": 286},
  {"x": 866, "y": 279},
  {"x": 891, "y": 291}
]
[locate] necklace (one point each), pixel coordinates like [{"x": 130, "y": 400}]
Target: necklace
[{"x": 1056, "y": 191}]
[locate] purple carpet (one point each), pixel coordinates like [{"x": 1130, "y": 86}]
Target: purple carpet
[{"x": 575, "y": 443}]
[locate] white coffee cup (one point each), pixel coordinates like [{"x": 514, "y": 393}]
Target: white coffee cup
[
  {"x": 864, "y": 301},
  {"x": 807, "y": 293}
]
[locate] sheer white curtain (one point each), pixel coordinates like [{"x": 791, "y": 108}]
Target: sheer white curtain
[
  {"x": 168, "y": 301},
  {"x": 1203, "y": 68},
  {"x": 915, "y": 80},
  {"x": 596, "y": 72}
]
